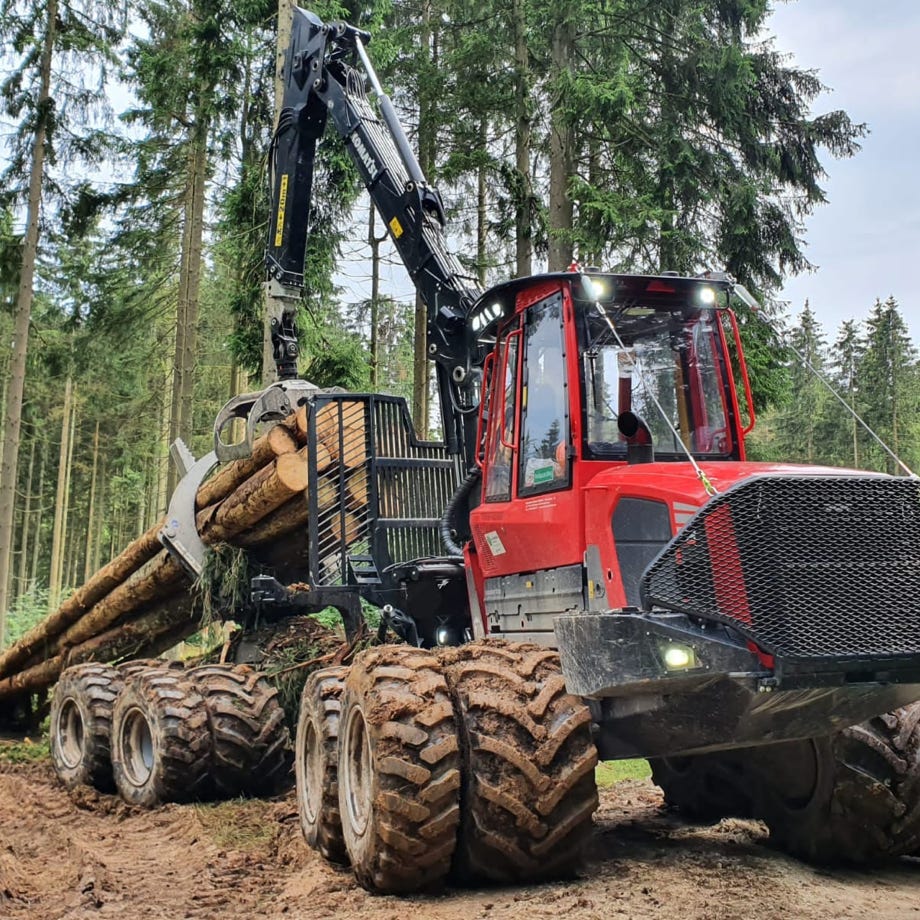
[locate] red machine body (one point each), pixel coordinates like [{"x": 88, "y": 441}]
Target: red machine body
[{"x": 551, "y": 495}]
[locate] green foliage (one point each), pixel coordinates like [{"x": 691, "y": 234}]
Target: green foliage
[
  {"x": 76, "y": 117},
  {"x": 288, "y": 675},
  {"x": 25, "y": 751},
  {"x": 240, "y": 249},
  {"x": 889, "y": 383},
  {"x": 332, "y": 619},
  {"x": 26, "y": 610},
  {"x": 223, "y": 586},
  {"x": 609, "y": 772},
  {"x": 10, "y": 259}
]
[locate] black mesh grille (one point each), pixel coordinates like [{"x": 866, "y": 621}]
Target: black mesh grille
[{"x": 807, "y": 566}]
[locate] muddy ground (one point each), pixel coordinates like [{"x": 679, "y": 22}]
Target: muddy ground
[{"x": 85, "y": 855}]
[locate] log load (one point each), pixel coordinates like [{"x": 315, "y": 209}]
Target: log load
[{"x": 140, "y": 600}]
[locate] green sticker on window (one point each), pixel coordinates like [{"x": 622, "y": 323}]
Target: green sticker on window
[{"x": 543, "y": 474}]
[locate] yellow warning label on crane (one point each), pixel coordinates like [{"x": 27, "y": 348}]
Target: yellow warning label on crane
[
  {"x": 282, "y": 202},
  {"x": 396, "y": 227}
]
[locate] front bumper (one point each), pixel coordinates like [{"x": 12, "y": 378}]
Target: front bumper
[{"x": 722, "y": 693}]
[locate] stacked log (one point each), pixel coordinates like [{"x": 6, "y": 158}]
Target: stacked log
[{"x": 139, "y": 604}]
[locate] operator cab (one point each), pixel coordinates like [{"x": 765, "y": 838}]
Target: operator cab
[
  {"x": 571, "y": 353},
  {"x": 588, "y": 375}
]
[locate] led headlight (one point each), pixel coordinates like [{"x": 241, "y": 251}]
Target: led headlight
[{"x": 678, "y": 657}]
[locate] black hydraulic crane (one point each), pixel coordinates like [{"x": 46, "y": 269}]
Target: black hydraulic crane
[{"x": 327, "y": 75}]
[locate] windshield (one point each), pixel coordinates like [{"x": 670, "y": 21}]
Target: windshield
[{"x": 666, "y": 368}]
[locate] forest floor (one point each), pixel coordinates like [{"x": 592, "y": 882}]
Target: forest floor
[{"x": 81, "y": 855}]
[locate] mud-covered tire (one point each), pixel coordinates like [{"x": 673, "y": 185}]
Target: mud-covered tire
[
  {"x": 529, "y": 790},
  {"x": 161, "y": 741},
  {"x": 704, "y": 788},
  {"x": 399, "y": 770},
  {"x": 136, "y": 665},
  {"x": 81, "y": 725},
  {"x": 852, "y": 798},
  {"x": 316, "y": 756},
  {"x": 250, "y": 741}
]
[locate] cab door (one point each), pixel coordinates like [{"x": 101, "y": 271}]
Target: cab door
[{"x": 530, "y": 517}]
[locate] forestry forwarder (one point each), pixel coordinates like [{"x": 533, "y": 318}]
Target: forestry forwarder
[{"x": 729, "y": 620}]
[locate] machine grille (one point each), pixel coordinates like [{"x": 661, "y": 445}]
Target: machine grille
[
  {"x": 807, "y": 566},
  {"x": 377, "y": 492}
]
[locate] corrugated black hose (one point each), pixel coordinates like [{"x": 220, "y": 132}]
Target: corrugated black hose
[{"x": 449, "y": 529}]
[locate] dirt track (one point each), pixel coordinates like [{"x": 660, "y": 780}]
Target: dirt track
[{"x": 85, "y": 855}]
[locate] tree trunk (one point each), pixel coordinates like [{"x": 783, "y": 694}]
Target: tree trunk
[
  {"x": 141, "y": 636},
  {"x": 17, "y": 372},
  {"x": 261, "y": 494},
  {"x": 60, "y": 508},
  {"x": 91, "y": 511},
  {"x": 163, "y": 451},
  {"x": 141, "y": 551},
  {"x": 374, "y": 242},
  {"x": 482, "y": 207},
  {"x": 284, "y": 520},
  {"x": 37, "y": 528},
  {"x": 523, "y": 231},
  {"x": 150, "y": 582},
  {"x": 149, "y": 634},
  {"x": 175, "y": 403},
  {"x": 275, "y": 442},
  {"x": 22, "y": 579},
  {"x": 4, "y": 394},
  {"x": 193, "y": 275},
  {"x": 561, "y": 151},
  {"x": 68, "y": 572},
  {"x": 189, "y": 287}
]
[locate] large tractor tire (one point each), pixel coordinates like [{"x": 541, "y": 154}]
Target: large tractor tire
[
  {"x": 81, "y": 725},
  {"x": 316, "y": 757},
  {"x": 852, "y": 798},
  {"x": 136, "y": 665},
  {"x": 704, "y": 788},
  {"x": 529, "y": 787},
  {"x": 161, "y": 742},
  {"x": 399, "y": 770},
  {"x": 249, "y": 739}
]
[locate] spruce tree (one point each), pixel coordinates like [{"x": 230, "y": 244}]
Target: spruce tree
[
  {"x": 54, "y": 92},
  {"x": 888, "y": 380}
]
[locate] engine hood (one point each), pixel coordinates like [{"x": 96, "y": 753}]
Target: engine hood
[{"x": 679, "y": 484}]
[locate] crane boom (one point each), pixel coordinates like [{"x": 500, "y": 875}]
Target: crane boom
[{"x": 326, "y": 75}]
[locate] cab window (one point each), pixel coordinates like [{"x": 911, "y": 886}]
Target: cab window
[
  {"x": 501, "y": 440},
  {"x": 544, "y": 461}
]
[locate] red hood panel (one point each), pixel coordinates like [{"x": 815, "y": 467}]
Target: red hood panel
[{"x": 679, "y": 481}]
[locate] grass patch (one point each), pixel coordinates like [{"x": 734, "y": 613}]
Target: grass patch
[
  {"x": 25, "y": 751},
  {"x": 238, "y": 824},
  {"x": 609, "y": 772}
]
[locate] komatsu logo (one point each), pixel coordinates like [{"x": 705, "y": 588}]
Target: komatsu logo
[{"x": 364, "y": 155}]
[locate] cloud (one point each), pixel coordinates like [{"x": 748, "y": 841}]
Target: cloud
[{"x": 865, "y": 53}]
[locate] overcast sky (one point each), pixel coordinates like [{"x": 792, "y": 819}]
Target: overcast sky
[{"x": 865, "y": 241}]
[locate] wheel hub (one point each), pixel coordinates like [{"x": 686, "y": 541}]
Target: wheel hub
[
  {"x": 71, "y": 734},
  {"x": 355, "y": 773},
  {"x": 137, "y": 747},
  {"x": 311, "y": 777}
]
